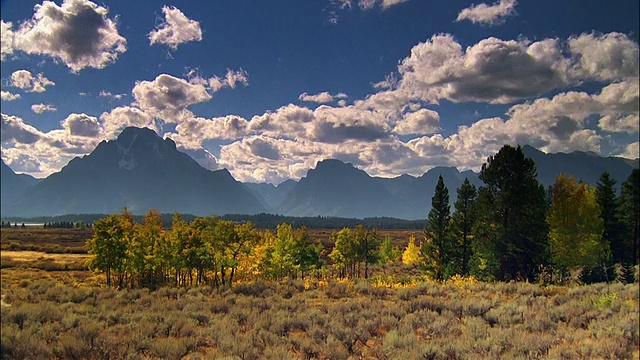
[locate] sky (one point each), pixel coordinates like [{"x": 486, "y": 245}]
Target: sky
[{"x": 267, "y": 89}]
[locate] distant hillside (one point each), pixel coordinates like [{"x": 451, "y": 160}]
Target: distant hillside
[
  {"x": 141, "y": 171},
  {"x": 12, "y": 185},
  {"x": 585, "y": 167}
]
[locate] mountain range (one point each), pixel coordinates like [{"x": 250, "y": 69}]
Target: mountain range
[{"x": 142, "y": 171}]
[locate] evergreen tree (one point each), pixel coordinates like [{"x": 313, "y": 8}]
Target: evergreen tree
[
  {"x": 608, "y": 202},
  {"x": 464, "y": 218},
  {"x": 437, "y": 250},
  {"x": 629, "y": 211},
  {"x": 515, "y": 230}
]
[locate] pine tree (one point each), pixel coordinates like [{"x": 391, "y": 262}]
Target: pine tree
[
  {"x": 629, "y": 211},
  {"x": 514, "y": 202},
  {"x": 437, "y": 250},
  {"x": 463, "y": 222},
  {"x": 608, "y": 202}
]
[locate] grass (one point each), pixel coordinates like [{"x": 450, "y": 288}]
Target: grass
[
  {"x": 52, "y": 307},
  {"x": 64, "y": 315}
]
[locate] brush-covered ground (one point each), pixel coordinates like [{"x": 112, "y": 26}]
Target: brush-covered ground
[{"x": 52, "y": 307}]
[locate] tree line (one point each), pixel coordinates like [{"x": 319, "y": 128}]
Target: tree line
[{"x": 511, "y": 228}]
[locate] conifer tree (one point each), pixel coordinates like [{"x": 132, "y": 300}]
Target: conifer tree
[
  {"x": 437, "y": 249},
  {"x": 629, "y": 210},
  {"x": 514, "y": 230},
  {"x": 463, "y": 222}
]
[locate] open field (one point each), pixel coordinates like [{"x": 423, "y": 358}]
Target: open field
[
  {"x": 50, "y": 311},
  {"x": 45, "y": 240}
]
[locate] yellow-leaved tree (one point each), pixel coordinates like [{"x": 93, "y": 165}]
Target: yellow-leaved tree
[
  {"x": 411, "y": 254},
  {"x": 575, "y": 226}
]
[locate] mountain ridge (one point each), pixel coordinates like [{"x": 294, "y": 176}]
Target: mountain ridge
[{"x": 140, "y": 170}]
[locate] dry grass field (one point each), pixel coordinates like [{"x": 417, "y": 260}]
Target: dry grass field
[{"x": 53, "y": 308}]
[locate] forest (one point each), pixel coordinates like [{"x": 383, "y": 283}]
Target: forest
[{"x": 511, "y": 228}]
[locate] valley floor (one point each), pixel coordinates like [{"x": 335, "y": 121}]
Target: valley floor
[{"x": 70, "y": 314}]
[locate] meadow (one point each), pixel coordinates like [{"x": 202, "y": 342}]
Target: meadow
[{"x": 53, "y": 307}]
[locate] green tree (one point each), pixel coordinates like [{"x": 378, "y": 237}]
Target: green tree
[
  {"x": 464, "y": 218},
  {"x": 388, "y": 253},
  {"x": 437, "y": 250},
  {"x": 484, "y": 263},
  {"x": 108, "y": 246},
  {"x": 629, "y": 210},
  {"x": 515, "y": 225},
  {"x": 345, "y": 252},
  {"x": 141, "y": 250},
  {"x": 608, "y": 202},
  {"x": 575, "y": 225}
]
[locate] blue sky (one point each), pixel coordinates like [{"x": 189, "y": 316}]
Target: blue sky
[{"x": 268, "y": 88}]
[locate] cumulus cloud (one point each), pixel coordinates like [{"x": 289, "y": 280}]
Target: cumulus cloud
[
  {"x": 168, "y": 97},
  {"x": 192, "y": 132},
  {"x": 78, "y": 33},
  {"x": 119, "y": 118},
  {"x": 175, "y": 29},
  {"x": 632, "y": 151},
  {"x": 23, "y": 79},
  {"x": 41, "y": 153},
  {"x": 488, "y": 14},
  {"x": 321, "y": 98},
  {"x": 6, "y": 39},
  {"x": 7, "y": 96},
  {"x": 15, "y": 130},
  {"x": 81, "y": 125},
  {"x": 423, "y": 121},
  {"x": 493, "y": 70},
  {"x": 603, "y": 57},
  {"x": 40, "y": 108}
]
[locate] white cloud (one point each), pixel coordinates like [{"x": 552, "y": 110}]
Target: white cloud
[
  {"x": 632, "y": 151},
  {"x": 15, "y": 130},
  {"x": 321, "y": 98},
  {"x": 384, "y": 4},
  {"x": 82, "y": 125},
  {"x": 423, "y": 121},
  {"x": 78, "y": 33},
  {"x": 7, "y": 96},
  {"x": 493, "y": 70},
  {"x": 611, "y": 56},
  {"x": 488, "y": 14},
  {"x": 40, "y": 108},
  {"x": 23, "y": 79},
  {"x": 119, "y": 118},
  {"x": 175, "y": 29},
  {"x": 231, "y": 79},
  {"x": 192, "y": 132},
  {"x": 6, "y": 39},
  {"x": 108, "y": 94},
  {"x": 168, "y": 97}
]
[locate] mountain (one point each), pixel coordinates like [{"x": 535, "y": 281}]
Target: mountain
[
  {"x": 271, "y": 196},
  {"x": 334, "y": 188},
  {"x": 140, "y": 171},
  {"x": 584, "y": 166},
  {"x": 12, "y": 185}
]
